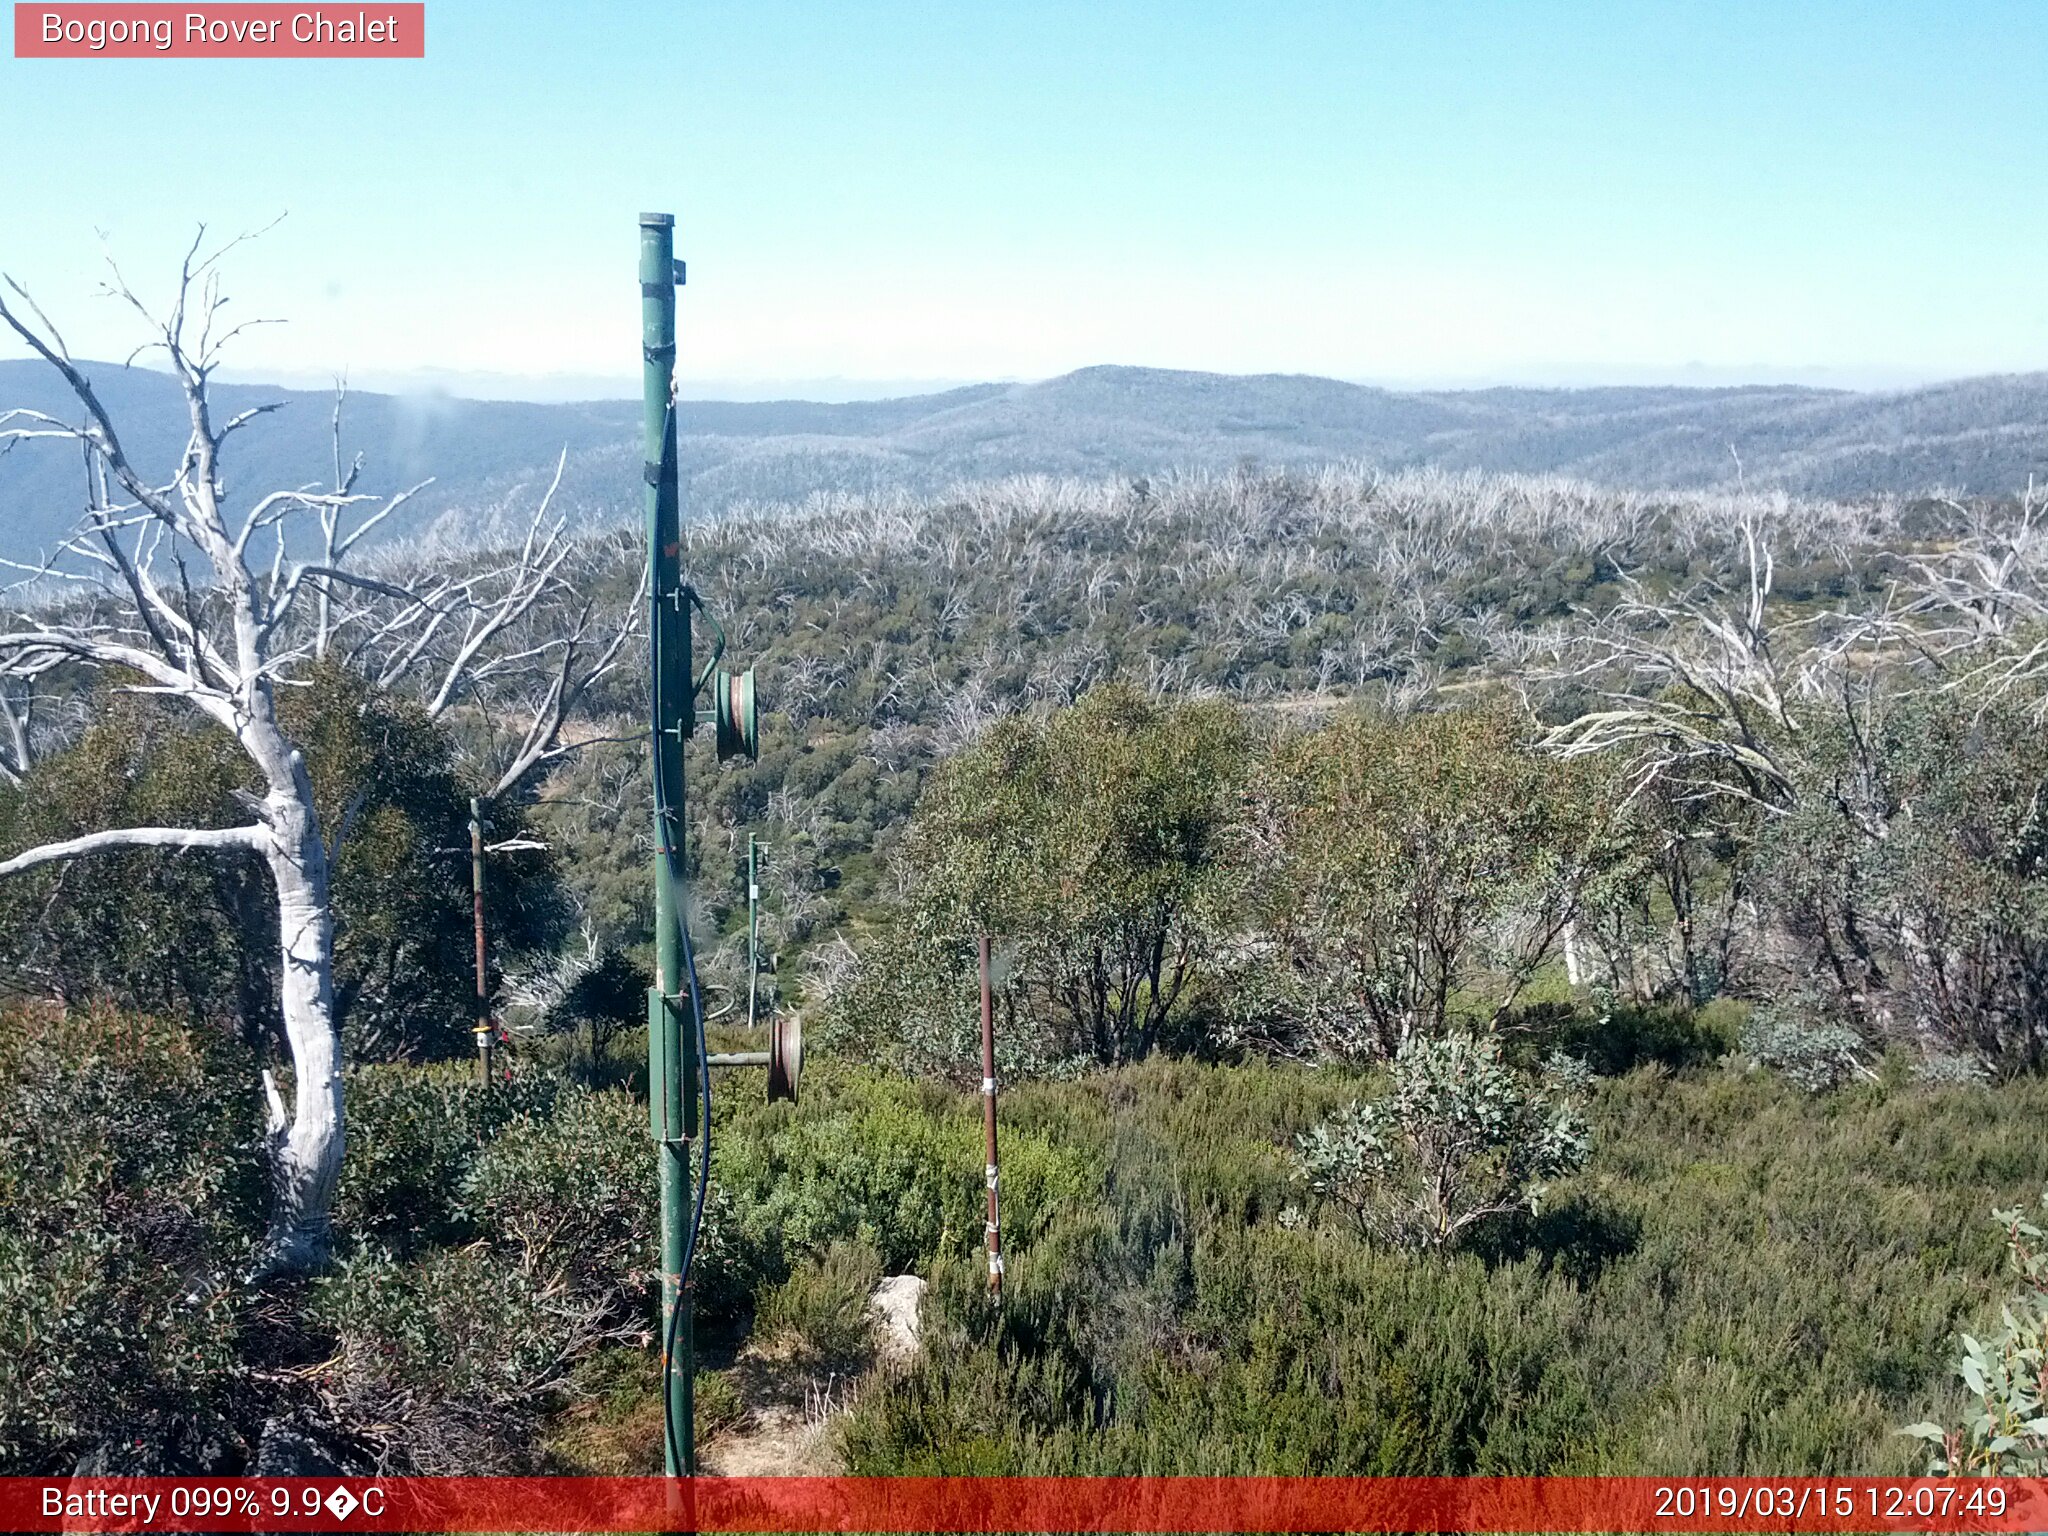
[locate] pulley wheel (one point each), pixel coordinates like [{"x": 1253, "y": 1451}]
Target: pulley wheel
[
  {"x": 785, "y": 1056},
  {"x": 733, "y": 708}
]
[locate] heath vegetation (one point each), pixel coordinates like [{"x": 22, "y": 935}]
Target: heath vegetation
[{"x": 1492, "y": 975}]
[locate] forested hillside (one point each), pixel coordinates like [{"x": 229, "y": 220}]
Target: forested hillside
[
  {"x": 490, "y": 459},
  {"x": 1684, "y": 848}
]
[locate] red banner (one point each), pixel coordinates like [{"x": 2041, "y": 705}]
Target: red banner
[
  {"x": 234, "y": 31},
  {"x": 1051, "y": 1504}
]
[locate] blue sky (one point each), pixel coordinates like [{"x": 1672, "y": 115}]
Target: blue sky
[{"x": 892, "y": 190}]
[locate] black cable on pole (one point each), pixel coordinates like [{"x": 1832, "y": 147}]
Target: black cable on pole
[
  {"x": 675, "y": 1317},
  {"x": 672, "y": 873}
]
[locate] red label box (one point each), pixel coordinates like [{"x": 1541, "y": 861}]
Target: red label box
[
  {"x": 1078, "y": 1506},
  {"x": 372, "y": 30}
]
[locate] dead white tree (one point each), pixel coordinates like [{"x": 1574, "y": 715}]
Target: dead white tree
[
  {"x": 17, "y": 726},
  {"x": 1704, "y": 686},
  {"x": 181, "y": 591},
  {"x": 1977, "y": 612},
  {"x": 514, "y": 638}
]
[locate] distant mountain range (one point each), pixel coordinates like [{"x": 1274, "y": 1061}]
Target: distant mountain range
[{"x": 491, "y": 459}]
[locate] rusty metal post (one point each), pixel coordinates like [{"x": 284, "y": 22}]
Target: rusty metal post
[
  {"x": 988, "y": 1122},
  {"x": 483, "y": 1029},
  {"x": 753, "y": 934}
]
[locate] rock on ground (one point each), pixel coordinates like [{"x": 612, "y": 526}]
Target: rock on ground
[{"x": 896, "y": 1304}]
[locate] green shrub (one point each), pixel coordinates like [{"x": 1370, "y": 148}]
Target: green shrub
[
  {"x": 557, "y": 1214},
  {"x": 820, "y": 1313},
  {"x": 887, "y": 1164},
  {"x": 718, "y": 1405},
  {"x": 1951, "y": 1069},
  {"x": 1042, "y": 1181},
  {"x": 74, "y": 936},
  {"x": 1460, "y": 1137},
  {"x": 572, "y": 1193},
  {"x": 454, "y": 1354},
  {"x": 2006, "y": 1432},
  {"x": 530, "y": 1245},
  {"x": 413, "y": 1133},
  {"x": 893, "y": 1163},
  {"x": 1816, "y": 1054},
  {"x": 130, "y": 1191},
  {"x": 459, "y": 1323}
]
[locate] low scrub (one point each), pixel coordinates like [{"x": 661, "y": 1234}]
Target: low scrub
[
  {"x": 1742, "y": 1278},
  {"x": 820, "y": 1313},
  {"x": 130, "y": 1194},
  {"x": 413, "y": 1133},
  {"x": 2004, "y": 1432}
]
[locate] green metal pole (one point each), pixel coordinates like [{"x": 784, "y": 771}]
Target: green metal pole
[{"x": 671, "y": 1059}]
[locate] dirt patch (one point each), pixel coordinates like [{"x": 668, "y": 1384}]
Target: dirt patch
[
  {"x": 785, "y": 1428},
  {"x": 789, "y": 1404}
]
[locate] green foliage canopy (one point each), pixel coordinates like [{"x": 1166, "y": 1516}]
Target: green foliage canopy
[
  {"x": 1091, "y": 846},
  {"x": 197, "y": 934},
  {"x": 1409, "y": 871}
]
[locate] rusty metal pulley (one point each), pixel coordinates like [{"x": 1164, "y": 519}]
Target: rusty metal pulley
[
  {"x": 733, "y": 713},
  {"x": 785, "y": 1056}
]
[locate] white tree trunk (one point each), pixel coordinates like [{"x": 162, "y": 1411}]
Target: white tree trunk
[
  {"x": 305, "y": 1147},
  {"x": 307, "y": 1153}
]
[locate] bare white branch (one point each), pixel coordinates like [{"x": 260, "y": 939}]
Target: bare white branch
[{"x": 245, "y": 839}]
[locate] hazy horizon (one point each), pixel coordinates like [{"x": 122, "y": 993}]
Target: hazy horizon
[
  {"x": 1405, "y": 193},
  {"x": 567, "y": 388}
]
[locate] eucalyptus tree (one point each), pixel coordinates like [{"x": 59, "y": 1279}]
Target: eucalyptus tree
[
  {"x": 185, "y": 589},
  {"x": 1091, "y": 843},
  {"x": 1412, "y": 875}
]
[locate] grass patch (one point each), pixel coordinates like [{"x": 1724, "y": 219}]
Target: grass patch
[{"x": 819, "y": 1316}]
